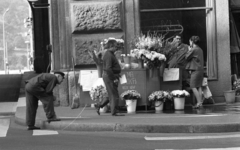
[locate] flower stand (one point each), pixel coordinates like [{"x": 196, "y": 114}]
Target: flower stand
[
  {"x": 131, "y": 106},
  {"x": 158, "y": 105},
  {"x": 179, "y": 103}
]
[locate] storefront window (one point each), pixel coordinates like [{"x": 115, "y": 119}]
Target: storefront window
[{"x": 188, "y": 17}]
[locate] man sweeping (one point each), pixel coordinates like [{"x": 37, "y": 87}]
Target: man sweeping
[{"x": 41, "y": 88}]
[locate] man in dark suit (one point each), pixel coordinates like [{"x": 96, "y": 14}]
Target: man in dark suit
[
  {"x": 111, "y": 75},
  {"x": 41, "y": 88}
]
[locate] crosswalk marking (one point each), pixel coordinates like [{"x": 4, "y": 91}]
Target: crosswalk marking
[
  {"x": 231, "y": 148},
  {"x": 44, "y": 132},
  {"x": 4, "y": 125},
  {"x": 190, "y": 137},
  {"x": 210, "y": 115}
]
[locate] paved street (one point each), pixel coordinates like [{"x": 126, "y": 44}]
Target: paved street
[
  {"x": 19, "y": 138},
  {"x": 15, "y": 136}
]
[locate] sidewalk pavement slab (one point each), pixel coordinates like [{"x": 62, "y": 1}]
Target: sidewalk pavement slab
[{"x": 209, "y": 119}]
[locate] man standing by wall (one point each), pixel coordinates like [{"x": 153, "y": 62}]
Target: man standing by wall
[
  {"x": 178, "y": 59},
  {"x": 111, "y": 75},
  {"x": 41, "y": 88}
]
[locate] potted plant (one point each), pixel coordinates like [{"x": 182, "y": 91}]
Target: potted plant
[
  {"x": 131, "y": 97},
  {"x": 179, "y": 98},
  {"x": 98, "y": 94},
  {"x": 159, "y": 97}
]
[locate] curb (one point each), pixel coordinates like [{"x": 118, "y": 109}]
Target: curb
[
  {"x": 116, "y": 127},
  {"x": 7, "y": 113}
]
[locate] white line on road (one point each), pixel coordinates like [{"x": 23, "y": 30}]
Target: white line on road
[
  {"x": 4, "y": 125},
  {"x": 190, "y": 137},
  {"x": 44, "y": 132},
  {"x": 231, "y": 148},
  {"x": 214, "y": 115}
]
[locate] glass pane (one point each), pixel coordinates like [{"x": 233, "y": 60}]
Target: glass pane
[
  {"x": 158, "y": 4},
  {"x": 171, "y": 22}
]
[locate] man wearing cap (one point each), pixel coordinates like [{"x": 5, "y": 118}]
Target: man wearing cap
[{"x": 41, "y": 88}]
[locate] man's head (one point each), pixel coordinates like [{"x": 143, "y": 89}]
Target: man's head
[
  {"x": 112, "y": 45},
  {"x": 178, "y": 39},
  {"x": 60, "y": 76}
]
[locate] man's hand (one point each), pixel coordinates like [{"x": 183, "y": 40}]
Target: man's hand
[{"x": 116, "y": 81}]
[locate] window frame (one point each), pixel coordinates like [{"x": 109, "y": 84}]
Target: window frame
[{"x": 211, "y": 65}]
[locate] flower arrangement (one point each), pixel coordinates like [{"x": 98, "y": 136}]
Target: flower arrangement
[
  {"x": 150, "y": 42},
  {"x": 151, "y": 58},
  {"x": 98, "y": 93},
  {"x": 236, "y": 87},
  {"x": 130, "y": 95},
  {"x": 160, "y": 96},
  {"x": 180, "y": 93}
]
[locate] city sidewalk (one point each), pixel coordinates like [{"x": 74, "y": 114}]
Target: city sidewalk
[{"x": 209, "y": 119}]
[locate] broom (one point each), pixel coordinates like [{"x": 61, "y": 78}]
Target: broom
[{"x": 76, "y": 98}]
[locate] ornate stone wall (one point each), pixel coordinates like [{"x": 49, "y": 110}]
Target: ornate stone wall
[
  {"x": 96, "y": 16},
  {"x": 82, "y": 44}
]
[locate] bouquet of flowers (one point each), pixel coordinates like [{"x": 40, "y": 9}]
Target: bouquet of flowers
[
  {"x": 130, "y": 95},
  {"x": 138, "y": 53},
  {"x": 98, "y": 93},
  {"x": 153, "y": 59},
  {"x": 180, "y": 93},
  {"x": 236, "y": 87},
  {"x": 150, "y": 42},
  {"x": 160, "y": 96}
]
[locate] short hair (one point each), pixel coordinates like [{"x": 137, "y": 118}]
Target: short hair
[
  {"x": 60, "y": 73},
  {"x": 195, "y": 39},
  {"x": 111, "y": 43}
]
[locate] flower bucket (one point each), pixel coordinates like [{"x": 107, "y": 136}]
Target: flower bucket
[
  {"x": 100, "y": 70},
  {"x": 158, "y": 105},
  {"x": 104, "y": 109},
  {"x": 168, "y": 105},
  {"x": 140, "y": 64},
  {"x": 161, "y": 69},
  {"x": 131, "y": 106},
  {"x": 230, "y": 96},
  {"x": 179, "y": 103}
]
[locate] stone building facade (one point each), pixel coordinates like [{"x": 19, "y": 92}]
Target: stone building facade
[{"x": 78, "y": 25}]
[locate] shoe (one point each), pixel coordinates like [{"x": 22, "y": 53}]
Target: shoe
[
  {"x": 118, "y": 114},
  {"x": 197, "y": 106},
  {"x": 33, "y": 128},
  {"x": 97, "y": 108}
]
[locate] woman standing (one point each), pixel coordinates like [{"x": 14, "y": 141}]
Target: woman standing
[{"x": 194, "y": 65}]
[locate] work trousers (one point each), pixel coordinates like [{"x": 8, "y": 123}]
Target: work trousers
[
  {"x": 32, "y": 97},
  {"x": 112, "y": 89}
]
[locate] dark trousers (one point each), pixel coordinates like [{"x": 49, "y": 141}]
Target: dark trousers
[
  {"x": 32, "y": 97},
  {"x": 112, "y": 89}
]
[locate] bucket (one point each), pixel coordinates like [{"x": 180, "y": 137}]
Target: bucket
[
  {"x": 131, "y": 106},
  {"x": 179, "y": 103},
  {"x": 230, "y": 96}
]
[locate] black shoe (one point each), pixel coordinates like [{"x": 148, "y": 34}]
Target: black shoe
[
  {"x": 33, "y": 128},
  {"x": 97, "y": 108},
  {"x": 118, "y": 114}
]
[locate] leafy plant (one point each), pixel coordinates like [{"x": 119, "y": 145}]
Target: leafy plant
[{"x": 130, "y": 95}]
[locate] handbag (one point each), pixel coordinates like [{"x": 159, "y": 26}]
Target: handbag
[{"x": 171, "y": 74}]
